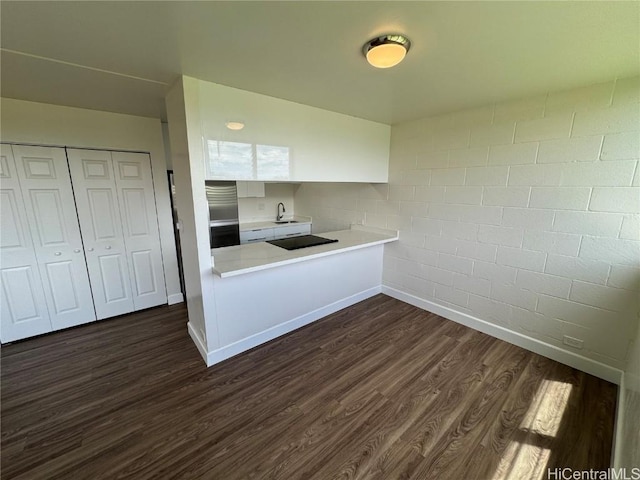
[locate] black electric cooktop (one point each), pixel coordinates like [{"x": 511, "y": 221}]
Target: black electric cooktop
[{"x": 303, "y": 241}]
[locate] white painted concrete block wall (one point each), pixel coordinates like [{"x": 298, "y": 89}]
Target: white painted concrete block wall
[{"x": 524, "y": 214}]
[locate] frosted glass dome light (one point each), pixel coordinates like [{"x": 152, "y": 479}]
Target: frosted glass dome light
[
  {"x": 386, "y": 51},
  {"x": 235, "y": 125}
]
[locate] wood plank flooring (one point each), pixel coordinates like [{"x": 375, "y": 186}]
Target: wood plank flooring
[{"x": 380, "y": 390}]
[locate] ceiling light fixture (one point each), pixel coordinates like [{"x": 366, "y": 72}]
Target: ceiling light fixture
[
  {"x": 235, "y": 125},
  {"x": 386, "y": 50}
]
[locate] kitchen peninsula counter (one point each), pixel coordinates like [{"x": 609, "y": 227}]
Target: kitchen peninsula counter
[
  {"x": 262, "y": 291},
  {"x": 243, "y": 259}
]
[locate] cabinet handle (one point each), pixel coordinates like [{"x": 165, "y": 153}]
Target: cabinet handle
[
  {"x": 108, "y": 247},
  {"x": 57, "y": 254},
  {"x": 257, "y": 239},
  {"x": 89, "y": 249},
  {"x": 76, "y": 250}
]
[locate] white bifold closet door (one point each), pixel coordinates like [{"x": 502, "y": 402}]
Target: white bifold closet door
[
  {"x": 46, "y": 191},
  {"x": 23, "y": 308},
  {"x": 140, "y": 228},
  {"x": 116, "y": 207}
]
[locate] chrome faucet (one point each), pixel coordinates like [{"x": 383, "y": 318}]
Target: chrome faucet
[{"x": 280, "y": 215}]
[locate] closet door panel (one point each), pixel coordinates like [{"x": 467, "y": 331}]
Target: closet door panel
[
  {"x": 48, "y": 197},
  {"x": 140, "y": 228},
  {"x": 23, "y": 306},
  {"x": 101, "y": 225}
]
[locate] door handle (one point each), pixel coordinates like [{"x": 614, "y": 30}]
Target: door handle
[{"x": 57, "y": 254}]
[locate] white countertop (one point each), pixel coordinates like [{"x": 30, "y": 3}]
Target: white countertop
[
  {"x": 241, "y": 259},
  {"x": 245, "y": 226}
]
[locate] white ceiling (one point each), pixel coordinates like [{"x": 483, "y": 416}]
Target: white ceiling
[{"x": 123, "y": 56}]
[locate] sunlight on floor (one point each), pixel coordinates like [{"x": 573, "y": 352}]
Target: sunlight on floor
[
  {"x": 545, "y": 413},
  {"x": 522, "y": 461},
  {"x": 527, "y": 459}
]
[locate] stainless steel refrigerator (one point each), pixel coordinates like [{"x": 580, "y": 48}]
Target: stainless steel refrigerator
[{"x": 224, "y": 227}]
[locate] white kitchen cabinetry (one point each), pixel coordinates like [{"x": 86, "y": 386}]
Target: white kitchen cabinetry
[
  {"x": 283, "y": 140},
  {"x": 256, "y": 235},
  {"x": 291, "y": 231},
  {"x": 250, "y": 189},
  {"x": 274, "y": 233}
]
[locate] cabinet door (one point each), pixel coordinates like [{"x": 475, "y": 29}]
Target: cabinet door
[
  {"x": 242, "y": 189},
  {"x": 250, "y": 189},
  {"x": 292, "y": 231},
  {"x": 140, "y": 228},
  {"x": 101, "y": 225},
  {"x": 257, "y": 235},
  {"x": 23, "y": 307},
  {"x": 51, "y": 212}
]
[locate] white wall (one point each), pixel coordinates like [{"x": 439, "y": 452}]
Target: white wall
[
  {"x": 249, "y": 208},
  {"x": 44, "y": 124},
  {"x": 523, "y": 215},
  {"x": 166, "y": 142},
  {"x": 188, "y": 167}
]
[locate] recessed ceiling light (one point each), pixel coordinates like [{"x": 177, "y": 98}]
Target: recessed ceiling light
[
  {"x": 386, "y": 50},
  {"x": 235, "y": 125}
]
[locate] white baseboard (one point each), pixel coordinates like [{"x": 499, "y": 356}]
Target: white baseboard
[
  {"x": 228, "y": 351},
  {"x": 198, "y": 341},
  {"x": 618, "y": 426},
  {"x": 175, "y": 298},
  {"x": 571, "y": 359}
]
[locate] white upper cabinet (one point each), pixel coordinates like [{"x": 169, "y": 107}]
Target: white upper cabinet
[
  {"x": 250, "y": 189},
  {"x": 285, "y": 141}
]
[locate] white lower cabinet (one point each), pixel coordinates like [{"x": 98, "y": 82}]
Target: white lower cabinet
[
  {"x": 274, "y": 233},
  {"x": 62, "y": 266},
  {"x": 292, "y": 231},
  {"x": 257, "y": 235}
]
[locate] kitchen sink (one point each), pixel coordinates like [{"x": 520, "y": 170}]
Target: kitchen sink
[{"x": 280, "y": 222}]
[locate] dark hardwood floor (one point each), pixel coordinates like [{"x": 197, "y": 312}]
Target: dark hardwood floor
[{"x": 378, "y": 390}]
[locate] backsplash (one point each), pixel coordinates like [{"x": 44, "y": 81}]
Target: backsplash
[
  {"x": 336, "y": 206},
  {"x": 249, "y": 208}
]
